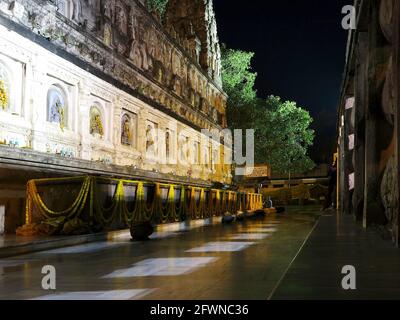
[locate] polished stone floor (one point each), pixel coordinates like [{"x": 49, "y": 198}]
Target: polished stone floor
[
  {"x": 239, "y": 261},
  {"x": 289, "y": 256},
  {"x": 335, "y": 242}
]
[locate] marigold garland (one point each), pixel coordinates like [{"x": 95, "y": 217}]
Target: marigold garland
[{"x": 162, "y": 208}]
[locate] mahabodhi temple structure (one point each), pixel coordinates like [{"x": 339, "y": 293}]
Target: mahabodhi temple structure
[
  {"x": 369, "y": 115},
  {"x": 113, "y": 88}
]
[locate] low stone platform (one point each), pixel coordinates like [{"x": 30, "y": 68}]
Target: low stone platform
[{"x": 12, "y": 245}]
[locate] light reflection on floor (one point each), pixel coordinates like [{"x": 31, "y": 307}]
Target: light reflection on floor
[
  {"x": 249, "y": 236},
  {"x": 122, "y": 236},
  {"x": 265, "y": 225},
  {"x": 260, "y": 230},
  {"x": 185, "y": 226},
  {"x": 86, "y": 248},
  {"x": 98, "y": 295},
  {"x": 13, "y": 263},
  {"x": 163, "y": 235},
  {"x": 222, "y": 247},
  {"x": 162, "y": 267},
  {"x": 156, "y": 235}
]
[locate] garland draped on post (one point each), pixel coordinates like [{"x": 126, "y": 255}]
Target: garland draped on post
[
  {"x": 33, "y": 197},
  {"x": 155, "y": 202}
]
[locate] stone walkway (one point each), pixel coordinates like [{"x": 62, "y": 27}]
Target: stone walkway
[
  {"x": 239, "y": 261},
  {"x": 335, "y": 242},
  {"x": 289, "y": 256}
]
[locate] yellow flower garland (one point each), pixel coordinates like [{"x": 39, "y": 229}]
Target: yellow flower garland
[{"x": 196, "y": 207}]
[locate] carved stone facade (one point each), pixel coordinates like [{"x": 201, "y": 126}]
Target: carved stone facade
[
  {"x": 104, "y": 83},
  {"x": 121, "y": 39},
  {"x": 369, "y": 118}
]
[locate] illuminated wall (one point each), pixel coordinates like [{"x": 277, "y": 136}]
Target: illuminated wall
[{"x": 102, "y": 102}]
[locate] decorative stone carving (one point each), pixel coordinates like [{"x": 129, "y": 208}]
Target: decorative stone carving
[
  {"x": 56, "y": 106},
  {"x": 126, "y": 130},
  {"x": 183, "y": 147},
  {"x": 121, "y": 18},
  {"x": 96, "y": 122},
  {"x": 168, "y": 145},
  {"x": 135, "y": 55},
  {"x": 76, "y": 10},
  {"x": 4, "y": 88},
  {"x": 108, "y": 9},
  {"x": 158, "y": 72},
  {"x": 389, "y": 191},
  {"x": 176, "y": 85},
  {"x": 150, "y": 140},
  {"x": 107, "y": 35},
  {"x": 151, "y": 39},
  {"x": 388, "y": 95},
  {"x": 386, "y": 18},
  {"x": 122, "y": 25},
  {"x": 150, "y": 51},
  {"x": 3, "y": 95}
]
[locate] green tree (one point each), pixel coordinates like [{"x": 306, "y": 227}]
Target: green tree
[
  {"x": 282, "y": 129},
  {"x": 158, "y": 6},
  {"x": 283, "y": 135},
  {"x": 238, "y": 82}
]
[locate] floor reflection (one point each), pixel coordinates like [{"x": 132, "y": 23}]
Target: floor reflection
[
  {"x": 222, "y": 247},
  {"x": 98, "y": 295},
  {"x": 239, "y": 261},
  {"x": 163, "y": 235},
  {"x": 260, "y": 230},
  {"x": 13, "y": 263},
  {"x": 162, "y": 267},
  {"x": 86, "y": 248},
  {"x": 249, "y": 236}
]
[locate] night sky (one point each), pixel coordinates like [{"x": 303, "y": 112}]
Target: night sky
[{"x": 300, "y": 54}]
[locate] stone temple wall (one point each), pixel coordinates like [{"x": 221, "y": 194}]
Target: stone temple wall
[
  {"x": 369, "y": 116},
  {"x": 106, "y": 81}
]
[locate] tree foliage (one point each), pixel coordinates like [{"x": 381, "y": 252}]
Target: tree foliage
[
  {"x": 237, "y": 77},
  {"x": 283, "y": 135},
  {"x": 282, "y": 129},
  {"x": 159, "y": 6},
  {"x": 238, "y": 82}
]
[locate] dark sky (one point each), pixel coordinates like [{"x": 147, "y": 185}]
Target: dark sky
[{"x": 300, "y": 52}]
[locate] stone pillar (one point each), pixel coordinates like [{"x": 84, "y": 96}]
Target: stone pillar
[
  {"x": 341, "y": 164},
  {"x": 375, "y": 127},
  {"x": 359, "y": 130},
  {"x": 2, "y": 219},
  {"x": 84, "y": 121},
  {"x": 396, "y": 69},
  {"x": 141, "y": 142},
  {"x": 347, "y": 163},
  {"x": 38, "y": 103}
]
